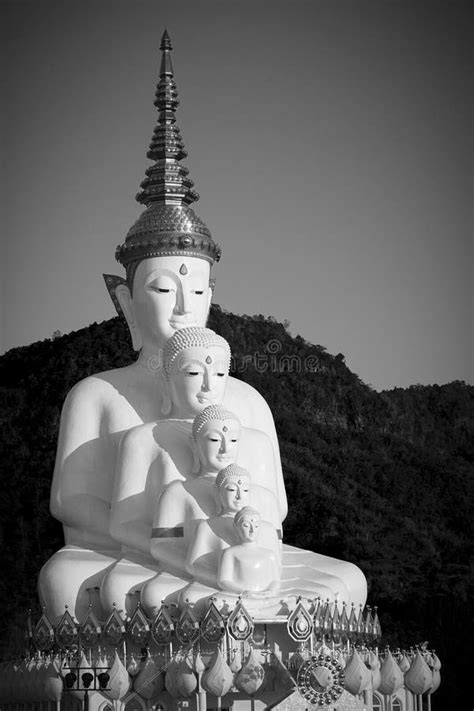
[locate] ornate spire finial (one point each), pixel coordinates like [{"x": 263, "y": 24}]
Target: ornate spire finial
[
  {"x": 166, "y": 182},
  {"x": 165, "y": 47},
  {"x": 168, "y": 226}
]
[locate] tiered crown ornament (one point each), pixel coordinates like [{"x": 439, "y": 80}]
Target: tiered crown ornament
[{"x": 168, "y": 226}]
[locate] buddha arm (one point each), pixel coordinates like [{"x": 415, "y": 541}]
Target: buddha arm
[
  {"x": 202, "y": 558},
  {"x": 225, "y": 575},
  {"x": 254, "y": 412},
  {"x": 133, "y": 494},
  {"x": 82, "y": 480},
  {"x": 167, "y": 543}
]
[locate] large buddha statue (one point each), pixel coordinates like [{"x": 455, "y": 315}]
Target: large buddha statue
[{"x": 167, "y": 255}]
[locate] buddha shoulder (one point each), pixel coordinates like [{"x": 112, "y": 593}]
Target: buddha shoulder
[
  {"x": 105, "y": 392},
  {"x": 236, "y": 389},
  {"x": 100, "y": 385}
]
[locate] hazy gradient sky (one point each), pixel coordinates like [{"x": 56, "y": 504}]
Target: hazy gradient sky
[{"x": 330, "y": 141}]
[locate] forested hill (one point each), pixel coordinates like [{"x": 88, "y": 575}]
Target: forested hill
[{"x": 384, "y": 480}]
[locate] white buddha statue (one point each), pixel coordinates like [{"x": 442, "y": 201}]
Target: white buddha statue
[
  {"x": 216, "y": 438},
  {"x": 215, "y": 534},
  {"x": 248, "y": 567},
  {"x": 174, "y": 462},
  {"x": 167, "y": 255}
]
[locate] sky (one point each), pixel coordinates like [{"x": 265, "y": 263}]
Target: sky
[{"x": 330, "y": 141}]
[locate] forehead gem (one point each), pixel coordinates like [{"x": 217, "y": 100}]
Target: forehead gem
[
  {"x": 239, "y": 482},
  {"x": 208, "y": 360},
  {"x": 225, "y": 428},
  {"x": 183, "y": 269}
]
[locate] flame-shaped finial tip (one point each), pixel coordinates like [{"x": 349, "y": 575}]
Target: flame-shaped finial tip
[{"x": 165, "y": 41}]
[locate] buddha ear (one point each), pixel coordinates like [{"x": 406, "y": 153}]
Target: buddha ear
[
  {"x": 210, "y": 293},
  {"x": 196, "y": 460},
  {"x": 124, "y": 298}
]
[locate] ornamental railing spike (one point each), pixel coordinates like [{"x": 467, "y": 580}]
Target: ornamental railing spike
[
  {"x": 90, "y": 630},
  {"x": 376, "y": 627},
  {"x": 138, "y": 628},
  {"x": 67, "y": 631},
  {"x": 212, "y": 624},
  {"x": 353, "y": 624},
  {"x": 43, "y": 633},
  {"x": 326, "y": 618},
  {"x": 336, "y": 624},
  {"x": 114, "y": 628},
  {"x": 187, "y": 627},
  {"x": 360, "y": 624},
  {"x": 317, "y": 622},
  {"x": 162, "y": 626},
  {"x": 299, "y": 623},
  {"x": 344, "y": 623},
  {"x": 240, "y": 624},
  {"x": 368, "y": 621}
]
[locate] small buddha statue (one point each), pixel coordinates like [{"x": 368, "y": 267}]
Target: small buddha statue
[
  {"x": 248, "y": 567},
  {"x": 212, "y": 536},
  {"x": 216, "y": 441}
]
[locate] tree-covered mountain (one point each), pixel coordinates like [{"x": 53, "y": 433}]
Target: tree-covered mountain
[{"x": 384, "y": 480}]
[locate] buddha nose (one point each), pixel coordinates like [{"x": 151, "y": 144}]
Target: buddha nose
[
  {"x": 182, "y": 305},
  {"x": 237, "y": 494},
  {"x": 224, "y": 445},
  {"x": 206, "y": 381}
]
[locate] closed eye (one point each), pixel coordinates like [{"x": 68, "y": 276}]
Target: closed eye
[
  {"x": 220, "y": 375},
  {"x": 199, "y": 293}
]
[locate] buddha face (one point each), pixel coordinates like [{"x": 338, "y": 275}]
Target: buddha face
[
  {"x": 168, "y": 293},
  {"x": 234, "y": 493},
  {"x": 247, "y": 528},
  {"x": 217, "y": 444},
  {"x": 197, "y": 379}
]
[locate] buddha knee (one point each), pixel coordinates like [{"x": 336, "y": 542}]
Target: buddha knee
[
  {"x": 58, "y": 586},
  {"x": 355, "y": 580},
  {"x": 122, "y": 583}
]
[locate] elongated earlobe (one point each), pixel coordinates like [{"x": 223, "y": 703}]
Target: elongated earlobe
[
  {"x": 124, "y": 298},
  {"x": 210, "y": 293},
  {"x": 196, "y": 461},
  {"x": 166, "y": 404}
]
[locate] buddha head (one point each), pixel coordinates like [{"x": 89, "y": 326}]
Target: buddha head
[
  {"x": 196, "y": 363},
  {"x": 247, "y": 523},
  {"x": 163, "y": 295},
  {"x": 216, "y": 436},
  {"x": 233, "y": 488},
  {"x": 168, "y": 252}
]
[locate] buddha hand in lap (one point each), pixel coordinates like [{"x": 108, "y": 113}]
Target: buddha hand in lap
[{"x": 248, "y": 567}]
